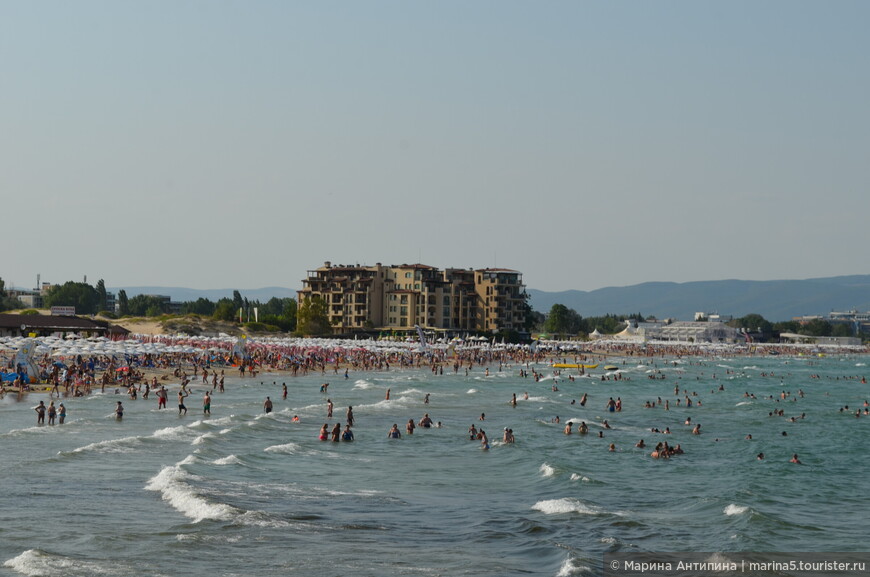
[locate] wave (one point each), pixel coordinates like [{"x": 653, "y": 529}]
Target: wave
[
  {"x": 572, "y": 566},
  {"x": 202, "y": 439},
  {"x": 733, "y": 509},
  {"x": 122, "y": 445},
  {"x": 567, "y": 505},
  {"x": 37, "y": 563},
  {"x": 228, "y": 460},
  {"x": 363, "y": 384},
  {"x": 287, "y": 449},
  {"x": 171, "y": 483}
]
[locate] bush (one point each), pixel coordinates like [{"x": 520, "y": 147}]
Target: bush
[
  {"x": 29, "y": 312},
  {"x": 107, "y": 314}
]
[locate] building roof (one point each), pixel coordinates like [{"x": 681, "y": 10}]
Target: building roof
[{"x": 46, "y": 322}]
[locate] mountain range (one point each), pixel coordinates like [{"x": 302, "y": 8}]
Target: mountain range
[{"x": 775, "y": 300}]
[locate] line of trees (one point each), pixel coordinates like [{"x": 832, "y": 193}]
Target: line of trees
[{"x": 90, "y": 300}]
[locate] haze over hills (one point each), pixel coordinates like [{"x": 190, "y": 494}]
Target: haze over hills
[{"x": 777, "y": 300}]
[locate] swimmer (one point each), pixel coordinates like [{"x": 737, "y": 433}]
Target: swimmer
[
  {"x": 795, "y": 460},
  {"x": 394, "y": 432},
  {"x": 267, "y": 405},
  {"x": 324, "y": 432},
  {"x": 568, "y": 428},
  {"x": 119, "y": 411}
]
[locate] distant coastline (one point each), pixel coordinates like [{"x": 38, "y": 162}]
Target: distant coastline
[{"x": 779, "y": 300}]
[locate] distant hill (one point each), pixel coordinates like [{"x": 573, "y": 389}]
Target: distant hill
[
  {"x": 179, "y": 294},
  {"x": 778, "y": 300}
]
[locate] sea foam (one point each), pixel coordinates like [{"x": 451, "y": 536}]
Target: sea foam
[
  {"x": 37, "y": 563},
  {"x": 171, "y": 483},
  {"x": 566, "y": 505},
  {"x": 733, "y": 509}
]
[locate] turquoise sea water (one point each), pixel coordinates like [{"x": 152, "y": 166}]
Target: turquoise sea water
[{"x": 245, "y": 493}]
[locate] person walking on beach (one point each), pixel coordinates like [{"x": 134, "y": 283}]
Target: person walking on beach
[
  {"x": 181, "y": 408},
  {"x": 206, "y": 404},
  {"x": 40, "y": 413},
  {"x": 267, "y": 406}
]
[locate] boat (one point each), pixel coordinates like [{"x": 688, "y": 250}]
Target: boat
[
  {"x": 611, "y": 368},
  {"x": 574, "y": 366}
]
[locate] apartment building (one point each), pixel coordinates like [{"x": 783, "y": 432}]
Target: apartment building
[{"x": 397, "y": 297}]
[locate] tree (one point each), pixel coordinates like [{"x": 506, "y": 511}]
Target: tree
[
  {"x": 238, "y": 301},
  {"x": 80, "y": 295},
  {"x": 562, "y": 321},
  {"x": 312, "y": 317},
  {"x": 200, "y": 306},
  {"x": 842, "y": 330},
  {"x": 145, "y": 306},
  {"x": 817, "y": 328},
  {"x": 123, "y": 303},
  {"x": 102, "y": 297},
  {"x": 225, "y": 310}
]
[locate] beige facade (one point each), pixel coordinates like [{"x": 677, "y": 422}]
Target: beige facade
[{"x": 400, "y": 296}]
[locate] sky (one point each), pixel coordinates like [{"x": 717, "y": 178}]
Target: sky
[{"x": 214, "y": 144}]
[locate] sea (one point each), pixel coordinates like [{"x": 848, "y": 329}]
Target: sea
[{"x": 241, "y": 492}]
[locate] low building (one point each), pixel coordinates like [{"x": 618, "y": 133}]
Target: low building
[
  {"x": 696, "y": 332},
  {"x": 44, "y": 325}
]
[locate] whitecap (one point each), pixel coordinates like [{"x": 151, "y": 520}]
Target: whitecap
[
  {"x": 171, "y": 483},
  {"x": 566, "y": 505},
  {"x": 579, "y": 477},
  {"x": 202, "y": 439},
  {"x": 171, "y": 433},
  {"x": 572, "y": 566},
  {"x": 228, "y": 460},
  {"x": 287, "y": 448},
  {"x": 122, "y": 445},
  {"x": 471, "y": 391},
  {"x": 733, "y": 509},
  {"x": 546, "y": 470},
  {"x": 37, "y": 563}
]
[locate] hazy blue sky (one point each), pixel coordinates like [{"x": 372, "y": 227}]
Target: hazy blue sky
[{"x": 216, "y": 144}]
